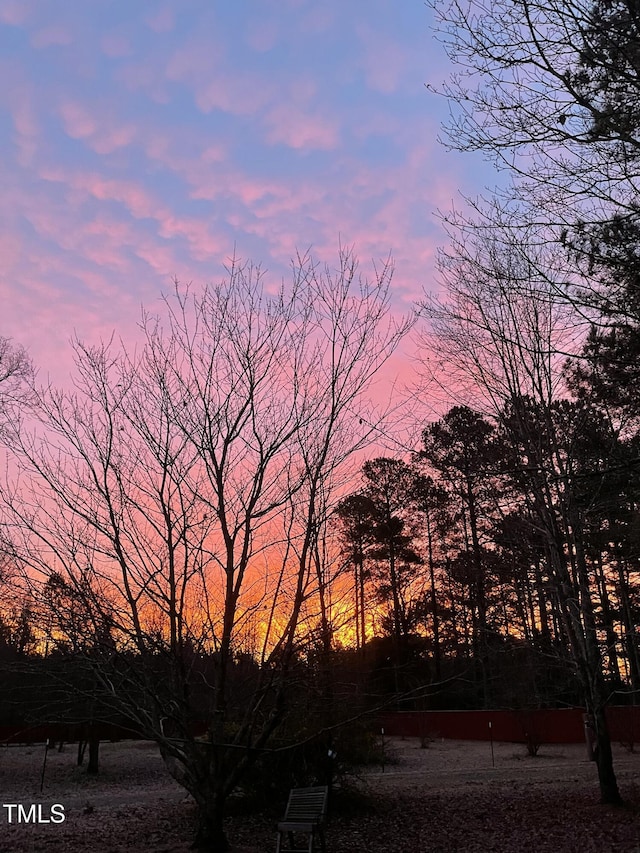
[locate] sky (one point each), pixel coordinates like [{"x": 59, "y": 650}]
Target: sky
[{"x": 147, "y": 140}]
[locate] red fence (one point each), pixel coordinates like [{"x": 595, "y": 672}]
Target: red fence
[{"x": 545, "y": 725}]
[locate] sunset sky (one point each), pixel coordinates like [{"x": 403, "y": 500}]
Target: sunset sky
[{"x": 144, "y": 140}]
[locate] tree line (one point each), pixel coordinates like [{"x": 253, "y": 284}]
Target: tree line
[{"x": 545, "y": 271}]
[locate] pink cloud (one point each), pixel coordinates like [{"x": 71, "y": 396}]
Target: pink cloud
[
  {"x": 100, "y": 130},
  {"x": 146, "y": 76},
  {"x": 11, "y": 249},
  {"x": 159, "y": 258},
  {"x": 116, "y": 45},
  {"x": 237, "y": 94},
  {"x": 25, "y": 118},
  {"x": 20, "y": 99},
  {"x": 299, "y": 130},
  {"x": 195, "y": 60},
  {"x": 81, "y": 242},
  {"x": 139, "y": 203},
  {"x": 232, "y": 183},
  {"x": 113, "y": 138},
  {"x": 182, "y": 153},
  {"x": 302, "y": 89},
  {"x": 55, "y": 35},
  {"x": 114, "y": 230},
  {"x": 15, "y": 12},
  {"x": 383, "y": 61},
  {"x": 198, "y": 64},
  {"x": 78, "y": 123},
  {"x": 44, "y": 311},
  {"x": 89, "y": 275},
  {"x": 162, "y": 20},
  {"x": 137, "y": 200},
  {"x": 262, "y": 34},
  {"x": 215, "y": 153},
  {"x": 376, "y": 211},
  {"x": 318, "y": 19},
  {"x": 376, "y": 207},
  {"x": 202, "y": 243},
  {"x": 98, "y": 247},
  {"x": 192, "y": 233}
]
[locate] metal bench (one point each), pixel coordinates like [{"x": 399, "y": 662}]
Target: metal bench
[{"x": 305, "y": 815}]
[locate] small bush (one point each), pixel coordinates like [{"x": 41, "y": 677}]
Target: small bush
[
  {"x": 533, "y": 743},
  {"x": 327, "y": 759}
]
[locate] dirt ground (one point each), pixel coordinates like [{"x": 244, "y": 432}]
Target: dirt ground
[{"x": 453, "y": 797}]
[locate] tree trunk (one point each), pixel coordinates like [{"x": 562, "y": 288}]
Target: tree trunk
[
  {"x": 363, "y": 625},
  {"x": 629, "y": 626},
  {"x": 210, "y": 834},
  {"x": 609, "y": 792},
  {"x": 607, "y": 620},
  {"x": 356, "y": 601},
  {"x": 94, "y": 755},
  {"x": 435, "y": 616},
  {"x": 543, "y": 615}
]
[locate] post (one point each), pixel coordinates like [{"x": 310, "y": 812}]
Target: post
[
  {"x": 589, "y": 736},
  {"x": 44, "y": 764},
  {"x": 382, "y": 733},
  {"x": 493, "y": 760}
]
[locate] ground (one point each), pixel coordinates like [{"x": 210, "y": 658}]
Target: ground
[{"x": 452, "y": 797}]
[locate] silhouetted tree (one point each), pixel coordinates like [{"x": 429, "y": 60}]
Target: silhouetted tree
[
  {"x": 508, "y": 337},
  {"x": 355, "y": 514},
  {"x": 182, "y": 485},
  {"x": 388, "y": 483},
  {"x": 430, "y": 501}
]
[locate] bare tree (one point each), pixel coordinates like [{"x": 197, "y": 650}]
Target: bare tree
[
  {"x": 15, "y": 367},
  {"x": 504, "y": 333},
  {"x": 550, "y": 90},
  {"x": 177, "y": 491},
  {"x": 16, "y": 371}
]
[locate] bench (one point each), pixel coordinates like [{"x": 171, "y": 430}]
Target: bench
[{"x": 305, "y": 815}]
